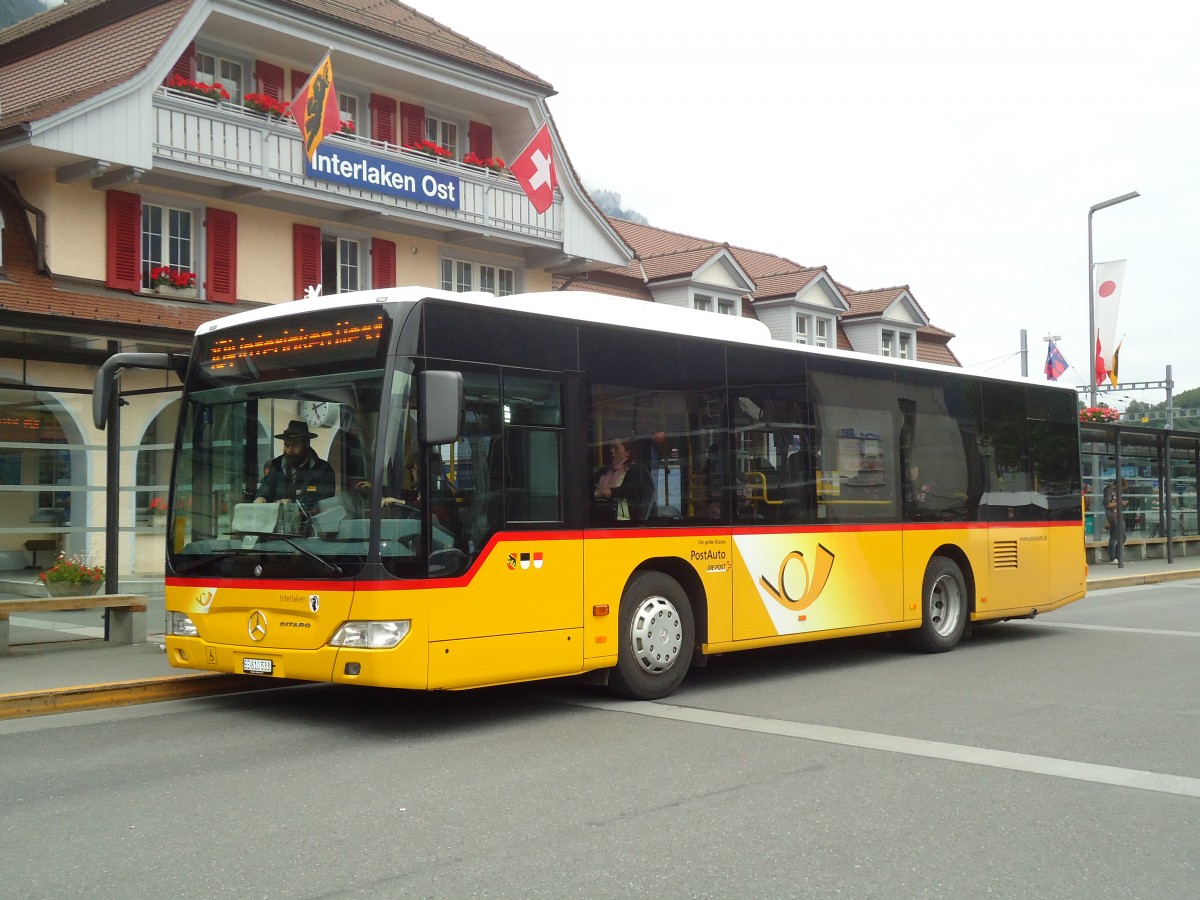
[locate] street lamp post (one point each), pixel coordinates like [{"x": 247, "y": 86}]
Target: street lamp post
[{"x": 1091, "y": 344}]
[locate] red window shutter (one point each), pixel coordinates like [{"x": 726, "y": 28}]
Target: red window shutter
[
  {"x": 185, "y": 66},
  {"x": 383, "y": 263},
  {"x": 124, "y": 236},
  {"x": 383, "y": 119},
  {"x": 306, "y": 258},
  {"x": 221, "y": 250},
  {"x": 481, "y": 139},
  {"x": 412, "y": 123},
  {"x": 298, "y": 79},
  {"x": 270, "y": 79}
]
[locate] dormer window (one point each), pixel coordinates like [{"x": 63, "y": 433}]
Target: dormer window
[
  {"x": 898, "y": 344},
  {"x": 726, "y": 306},
  {"x": 813, "y": 330}
]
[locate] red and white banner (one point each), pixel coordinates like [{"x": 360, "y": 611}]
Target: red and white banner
[
  {"x": 315, "y": 108},
  {"x": 534, "y": 170},
  {"x": 1107, "y": 279}
]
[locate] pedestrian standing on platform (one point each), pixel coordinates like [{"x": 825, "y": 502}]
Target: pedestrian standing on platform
[{"x": 1114, "y": 521}]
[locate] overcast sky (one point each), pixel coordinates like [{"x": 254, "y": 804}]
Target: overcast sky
[{"x": 953, "y": 147}]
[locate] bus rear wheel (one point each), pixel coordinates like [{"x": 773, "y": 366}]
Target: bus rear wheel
[
  {"x": 944, "y": 608},
  {"x": 657, "y": 634}
]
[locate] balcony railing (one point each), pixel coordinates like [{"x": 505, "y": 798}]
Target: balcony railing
[{"x": 256, "y": 151}]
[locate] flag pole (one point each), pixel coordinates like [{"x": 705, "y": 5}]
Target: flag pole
[{"x": 1092, "y": 337}]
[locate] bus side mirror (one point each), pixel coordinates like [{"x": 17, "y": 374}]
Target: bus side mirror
[{"x": 441, "y": 397}]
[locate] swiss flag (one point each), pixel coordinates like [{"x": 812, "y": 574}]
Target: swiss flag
[{"x": 534, "y": 170}]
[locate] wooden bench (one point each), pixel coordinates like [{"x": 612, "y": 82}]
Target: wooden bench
[
  {"x": 37, "y": 546},
  {"x": 127, "y": 623}
]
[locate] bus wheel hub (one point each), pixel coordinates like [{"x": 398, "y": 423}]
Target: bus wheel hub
[{"x": 655, "y": 634}]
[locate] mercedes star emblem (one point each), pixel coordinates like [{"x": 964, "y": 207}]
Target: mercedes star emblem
[{"x": 256, "y": 627}]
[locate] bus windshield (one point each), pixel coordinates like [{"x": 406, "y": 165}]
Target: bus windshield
[
  {"x": 277, "y": 473},
  {"x": 240, "y": 508}
]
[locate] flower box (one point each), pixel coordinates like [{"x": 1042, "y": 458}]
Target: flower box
[
  {"x": 205, "y": 91},
  {"x": 181, "y": 293},
  {"x": 73, "y": 589},
  {"x": 266, "y": 105}
]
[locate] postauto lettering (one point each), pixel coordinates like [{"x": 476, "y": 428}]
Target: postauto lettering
[{"x": 374, "y": 173}]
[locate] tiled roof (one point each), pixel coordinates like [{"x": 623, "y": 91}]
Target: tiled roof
[
  {"x": 784, "y": 284},
  {"x": 668, "y": 254},
  {"x": 82, "y": 66},
  {"x": 76, "y": 50},
  {"x": 872, "y": 303},
  {"x": 402, "y": 23}
]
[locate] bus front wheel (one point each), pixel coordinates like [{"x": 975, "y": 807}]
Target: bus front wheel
[
  {"x": 944, "y": 608},
  {"x": 657, "y": 637}
]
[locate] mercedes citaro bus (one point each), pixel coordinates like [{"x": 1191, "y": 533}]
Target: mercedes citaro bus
[{"x": 770, "y": 494}]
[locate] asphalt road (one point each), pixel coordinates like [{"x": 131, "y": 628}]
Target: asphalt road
[{"x": 1058, "y": 758}]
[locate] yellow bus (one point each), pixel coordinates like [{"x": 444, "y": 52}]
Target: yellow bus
[{"x": 553, "y": 484}]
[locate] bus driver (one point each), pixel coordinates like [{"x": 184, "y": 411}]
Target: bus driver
[{"x": 298, "y": 473}]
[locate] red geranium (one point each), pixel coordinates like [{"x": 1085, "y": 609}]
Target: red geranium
[
  {"x": 179, "y": 278},
  {"x": 495, "y": 163},
  {"x": 199, "y": 88},
  {"x": 431, "y": 148},
  {"x": 265, "y": 104}
]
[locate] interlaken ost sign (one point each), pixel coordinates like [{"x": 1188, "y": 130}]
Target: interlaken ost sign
[{"x": 354, "y": 168}]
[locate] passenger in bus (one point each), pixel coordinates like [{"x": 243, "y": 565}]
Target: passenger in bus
[
  {"x": 297, "y": 474},
  {"x": 625, "y": 483}
]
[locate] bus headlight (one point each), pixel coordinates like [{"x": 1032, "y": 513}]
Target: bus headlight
[
  {"x": 181, "y": 624},
  {"x": 371, "y": 635}
]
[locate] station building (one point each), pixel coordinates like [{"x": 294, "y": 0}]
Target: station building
[{"x": 142, "y": 135}]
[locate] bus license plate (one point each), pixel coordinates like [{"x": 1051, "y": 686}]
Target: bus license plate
[{"x": 257, "y": 666}]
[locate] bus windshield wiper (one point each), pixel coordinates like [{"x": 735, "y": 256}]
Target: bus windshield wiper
[{"x": 333, "y": 568}]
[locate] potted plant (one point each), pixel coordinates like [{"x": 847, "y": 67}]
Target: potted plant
[
  {"x": 71, "y": 576},
  {"x": 495, "y": 163},
  {"x": 431, "y": 148},
  {"x": 347, "y": 127},
  {"x": 158, "y": 509},
  {"x": 265, "y": 105},
  {"x": 1099, "y": 414},
  {"x": 176, "y": 282},
  {"x": 214, "y": 92}
]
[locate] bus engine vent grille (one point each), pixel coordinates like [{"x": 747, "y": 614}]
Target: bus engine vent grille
[{"x": 1004, "y": 555}]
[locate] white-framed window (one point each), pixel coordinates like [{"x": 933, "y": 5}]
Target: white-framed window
[
  {"x": 726, "y": 306},
  {"x": 822, "y": 332},
  {"x": 444, "y": 132},
  {"x": 496, "y": 280},
  {"x": 467, "y": 275},
  {"x": 905, "y": 345},
  {"x": 888, "y": 344},
  {"x": 348, "y": 109},
  {"x": 801, "y": 328},
  {"x": 212, "y": 69},
  {"x": 342, "y": 259},
  {"x": 168, "y": 239}
]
